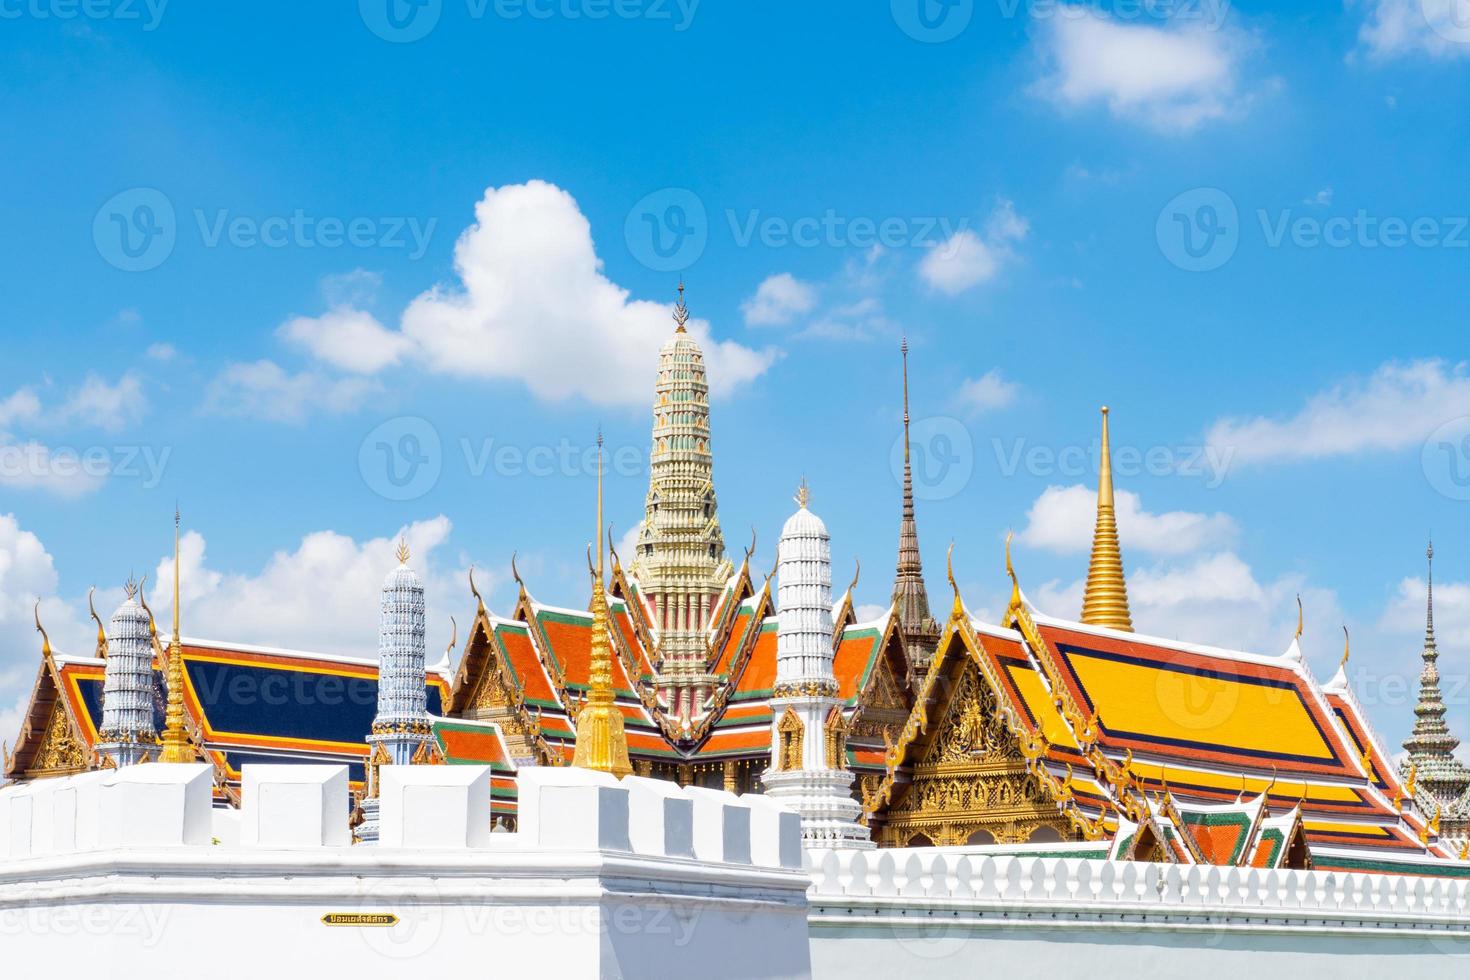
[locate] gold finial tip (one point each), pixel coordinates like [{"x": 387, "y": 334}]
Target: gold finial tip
[
  {"x": 402, "y": 552},
  {"x": 1105, "y": 409},
  {"x": 803, "y": 494}
]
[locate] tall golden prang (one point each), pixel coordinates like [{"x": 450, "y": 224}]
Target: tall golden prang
[{"x": 1105, "y": 600}]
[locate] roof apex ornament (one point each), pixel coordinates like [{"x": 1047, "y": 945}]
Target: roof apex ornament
[
  {"x": 681, "y": 312},
  {"x": 101, "y": 630},
  {"x": 803, "y": 495},
  {"x": 1105, "y": 597},
  {"x": 1301, "y": 617},
  {"x": 479, "y": 602},
  {"x": 958, "y": 611},
  {"x": 515, "y": 573},
  {"x": 453, "y": 637},
  {"x": 402, "y": 553},
  {"x": 1346, "y": 647},
  {"x": 909, "y": 593},
  {"x": 45, "y": 639},
  {"x": 1011, "y": 573},
  {"x": 857, "y": 573}
]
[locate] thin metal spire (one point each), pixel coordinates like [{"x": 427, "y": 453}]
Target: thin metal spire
[{"x": 909, "y": 593}]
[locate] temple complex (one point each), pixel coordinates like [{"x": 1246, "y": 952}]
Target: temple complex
[{"x": 1078, "y": 735}]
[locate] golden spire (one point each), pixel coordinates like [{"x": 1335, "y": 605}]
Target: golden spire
[
  {"x": 403, "y": 554},
  {"x": 602, "y": 744},
  {"x": 176, "y": 745},
  {"x": 1105, "y": 599}
]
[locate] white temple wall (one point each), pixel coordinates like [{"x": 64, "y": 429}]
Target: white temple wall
[{"x": 579, "y": 897}]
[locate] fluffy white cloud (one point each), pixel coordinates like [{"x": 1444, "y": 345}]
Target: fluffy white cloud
[
  {"x": 1395, "y": 408},
  {"x": 1404, "y": 28},
  {"x": 28, "y": 575},
  {"x": 967, "y": 259},
  {"x": 346, "y": 338},
  {"x": 1403, "y": 616},
  {"x": 265, "y": 390},
  {"x": 1171, "y": 76},
  {"x": 533, "y": 305},
  {"x": 1062, "y": 520},
  {"x": 161, "y": 352},
  {"x": 21, "y": 406},
  {"x": 105, "y": 405},
  {"x": 987, "y": 392},
  {"x": 778, "y": 300},
  {"x": 322, "y": 596},
  {"x": 1218, "y": 600}
]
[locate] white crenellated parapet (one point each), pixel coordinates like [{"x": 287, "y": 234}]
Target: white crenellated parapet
[
  {"x": 604, "y": 877},
  {"x": 967, "y": 913}
]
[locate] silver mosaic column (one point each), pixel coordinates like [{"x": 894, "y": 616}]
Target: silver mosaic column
[
  {"x": 128, "y": 735},
  {"x": 402, "y": 724}
]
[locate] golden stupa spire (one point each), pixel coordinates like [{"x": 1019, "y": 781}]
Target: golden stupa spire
[
  {"x": 1105, "y": 600},
  {"x": 602, "y": 744},
  {"x": 176, "y": 745}
]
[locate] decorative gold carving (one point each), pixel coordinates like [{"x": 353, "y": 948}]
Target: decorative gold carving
[
  {"x": 836, "y": 739},
  {"x": 805, "y": 689},
  {"x": 61, "y": 753},
  {"x": 792, "y": 733}
]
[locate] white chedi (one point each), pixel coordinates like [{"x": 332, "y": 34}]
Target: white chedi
[{"x": 808, "y": 770}]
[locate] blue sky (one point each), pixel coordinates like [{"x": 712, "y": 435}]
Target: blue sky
[{"x": 247, "y": 249}]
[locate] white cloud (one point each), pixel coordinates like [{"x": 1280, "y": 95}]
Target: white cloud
[
  {"x": 31, "y": 465},
  {"x": 987, "y": 392},
  {"x": 1395, "y": 408},
  {"x": 1171, "y": 76},
  {"x": 348, "y": 339},
  {"x": 21, "y": 406},
  {"x": 533, "y": 305},
  {"x": 28, "y": 574},
  {"x": 1404, "y": 28},
  {"x": 778, "y": 300},
  {"x": 863, "y": 319},
  {"x": 1062, "y": 520},
  {"x": 1404, "y": 614},
  {"x": 322, "y": 596},
  {"x": 264, "y": 390},
  {"x": 1217, "y": 600},
  {"x": 109, "y": 406},
  {"x": 1320, "y": 199},
  {"x": 161, "y": 352},
  {"x": 966, "y": 259}
]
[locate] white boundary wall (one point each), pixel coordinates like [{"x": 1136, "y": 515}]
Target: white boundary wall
[
  {"x": 933, "y": 912},
  {"x": 130, "y": 873}
]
